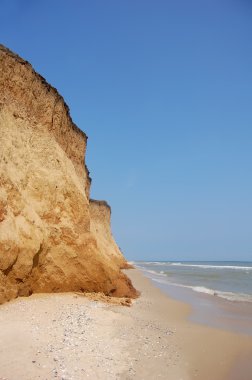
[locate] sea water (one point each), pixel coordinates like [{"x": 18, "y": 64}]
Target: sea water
[
  {"x": 219, "y": 292},
  {"x": 229, "y": 280}
]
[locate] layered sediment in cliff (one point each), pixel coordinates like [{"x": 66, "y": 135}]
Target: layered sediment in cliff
[{"x": 48, "y": 242}]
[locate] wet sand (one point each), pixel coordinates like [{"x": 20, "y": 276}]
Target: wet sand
[
  {"x": 211, "y": 310},
  {"x": 67, "y": 336}
]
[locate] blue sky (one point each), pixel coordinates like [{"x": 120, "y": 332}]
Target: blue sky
[{"x": 163, "y": 89}]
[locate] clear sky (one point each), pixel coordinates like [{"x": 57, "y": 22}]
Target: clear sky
[{"x": 163, "y": 89}]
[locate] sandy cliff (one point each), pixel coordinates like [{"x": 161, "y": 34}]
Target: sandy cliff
[
  {"x": 100, "y": 214},
  {"x": 48, "y": 242}
]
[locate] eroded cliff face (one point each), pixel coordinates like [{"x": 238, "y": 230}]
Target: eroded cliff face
[
  {"x": 48, "y": 243},
  {"x": 100, "y": 213}
]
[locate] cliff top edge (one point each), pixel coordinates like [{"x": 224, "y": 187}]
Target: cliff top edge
[{"x": 10, "y": 53}]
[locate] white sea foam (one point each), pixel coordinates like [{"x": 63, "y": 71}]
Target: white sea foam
[
  {"x": 208, "y": 266},
  {"x": 155, "y": 263},
  {"x": 202, "y": 289},
  {"x": 153, "y": 272},
  {"x": 226, "y": 295},
  {"x": 202, "y": 266}
]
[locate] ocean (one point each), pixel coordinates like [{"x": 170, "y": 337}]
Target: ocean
[
  {"x": 219, "y": 292},
  {"x": 230, "y": 280}
]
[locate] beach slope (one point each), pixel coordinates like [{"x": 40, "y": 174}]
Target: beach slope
[{"x": 68, "y": 336}]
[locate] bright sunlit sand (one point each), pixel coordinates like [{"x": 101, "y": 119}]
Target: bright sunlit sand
[{"x": 66, "y": 336}]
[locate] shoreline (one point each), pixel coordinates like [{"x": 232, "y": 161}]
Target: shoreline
[
  {"x": 210, "y": 352},
  {"x": 69, "y": 337},
  {"x": 206, "y": 309}
]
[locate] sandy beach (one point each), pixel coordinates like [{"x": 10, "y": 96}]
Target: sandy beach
[{"x": 68, "y": 336}]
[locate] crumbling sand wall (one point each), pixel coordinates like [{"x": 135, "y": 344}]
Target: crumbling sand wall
[{"x": 47, "y": 242}]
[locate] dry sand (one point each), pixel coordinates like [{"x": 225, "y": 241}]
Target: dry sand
[{"x": 67, "y": 336}]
